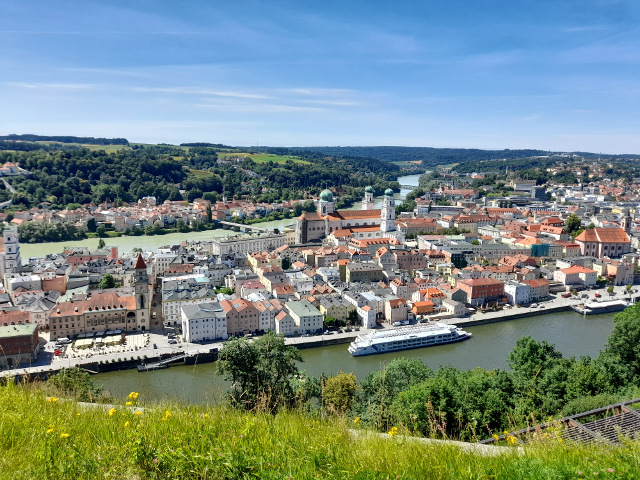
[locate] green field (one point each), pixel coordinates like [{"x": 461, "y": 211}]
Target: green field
[
  {"x": 263, "y": 157},
  {"x": 200, "y": 173},
  {"x": 106, "y": 148}
]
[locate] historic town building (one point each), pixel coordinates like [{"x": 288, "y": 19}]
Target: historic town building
[{"x": 368, "y": 222}]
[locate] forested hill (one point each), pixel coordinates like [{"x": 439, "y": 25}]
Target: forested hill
[
  {"x": 65, "y": 139},
  {"x": 430, "y": 157}
]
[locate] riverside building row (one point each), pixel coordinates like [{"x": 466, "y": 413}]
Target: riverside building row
[{"x": 355, "y": 267}]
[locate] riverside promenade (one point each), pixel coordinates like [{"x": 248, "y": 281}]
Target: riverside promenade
[{"x": 48, "y": 364}]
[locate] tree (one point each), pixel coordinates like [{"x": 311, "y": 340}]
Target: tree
[
  {"x": 475, "y": 242},
  {"x": 261, "y": 372},
  {"x": 330, "y": 322},
  {"x": 101, "y": 231},
  {"x": 92, "y": 225},
  {"x": 573, "y": 223},
  {"x": 623, "y": 344},
  {"x": 352, "y": 317},
  {"x": 380, "y": 387},
  {"x": 107, "y": 282},
  {"x": 339, "y": 392},
  {"x": 209, "y": 214},
  {"x": 101, "y": 244},
  {"x": 529, "y": 357},
  {"x": 286, "y": 263},
  {"x": 610, "y": 289},
  {"x": 76, "y": 382}
]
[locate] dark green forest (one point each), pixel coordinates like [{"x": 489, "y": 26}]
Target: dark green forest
[
  {"x": 65, "y": 139},
  {"x": 78, "y": 176},
  {"x": 430, "y": 157}
]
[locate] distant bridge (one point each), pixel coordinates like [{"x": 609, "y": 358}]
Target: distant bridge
[
  {"x": 242, "y": 226},
  {"x": 408, "y": 187}
]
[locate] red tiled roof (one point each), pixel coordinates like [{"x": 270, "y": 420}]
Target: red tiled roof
[
  {"x": 479, "y": 282},
  {"x": 603, "y": 235},
  {"x": 140, "y": 263}
]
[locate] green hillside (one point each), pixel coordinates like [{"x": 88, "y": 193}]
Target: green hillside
[{"x": 50, "y": 437}]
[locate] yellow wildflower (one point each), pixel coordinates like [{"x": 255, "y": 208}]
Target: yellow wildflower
[
  {"x": 64, "y": 435},
  {"x": 50, "y": 428},
  {"x": 511, "y": 440},
  {"x": 139, "y": 413},
  {"x": 112, "y": 412},
  {"x": 206, "y": 415},
  {"x": 167, "y": 415},
  {"x": 128, "y": 404},
  {"x": 133, "y": 396},
  {"x": 357, "y": 421},
  {"x": 52, "y": 399},
  {"x": 126, "y": 424},
  {"x": 496, "y": 437},
  {"x": 393, "y": 431}
]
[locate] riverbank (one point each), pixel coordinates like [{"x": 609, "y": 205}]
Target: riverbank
[{"x": 154, "y": 345}]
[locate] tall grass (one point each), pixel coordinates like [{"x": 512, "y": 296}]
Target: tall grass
[{"x": 45, "y": 437}]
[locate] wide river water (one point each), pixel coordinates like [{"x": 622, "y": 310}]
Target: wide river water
[{"x": 489, "y": 347}]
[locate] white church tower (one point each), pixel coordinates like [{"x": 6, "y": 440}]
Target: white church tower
[
  {"x": 11, "y": 257},
  {"x": 388, "y": 213},
  {"x": 368, "y": 203},
  {"x": 326, "y": 205}
]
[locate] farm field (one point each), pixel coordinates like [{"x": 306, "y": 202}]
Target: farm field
[{"x": 263, "y": 157}]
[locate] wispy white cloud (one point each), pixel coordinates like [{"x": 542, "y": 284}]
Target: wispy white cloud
[
  {"x": 336, "y": 103},
  {"x": 201, "y": 91},
  {"x": 48, "y": 86},
  {"x": 257, "y": 108}
]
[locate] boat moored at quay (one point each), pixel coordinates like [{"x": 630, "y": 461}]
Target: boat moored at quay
[
  {"x": 404, "y": 338},
  {"x": 593, "y": 308}
]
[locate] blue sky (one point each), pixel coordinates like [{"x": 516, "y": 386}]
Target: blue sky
[{"x": 558, "y": 75}]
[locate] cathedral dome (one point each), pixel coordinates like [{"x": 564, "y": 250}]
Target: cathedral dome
[
  {"x": 369, "y": 189},
  {"x": 326, "y": 195},
  {"x": 388, "y": 192}
]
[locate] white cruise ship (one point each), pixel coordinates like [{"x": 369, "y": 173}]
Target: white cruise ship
[{"x": 404, "y": 338}]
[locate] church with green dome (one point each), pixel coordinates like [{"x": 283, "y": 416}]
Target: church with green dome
[{"x": 337, "y": 227}]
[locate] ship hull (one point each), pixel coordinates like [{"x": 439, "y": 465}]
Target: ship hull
[{"x": 372, "y": 351}]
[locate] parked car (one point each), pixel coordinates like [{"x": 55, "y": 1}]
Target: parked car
[
  {"x": 172, "y": 341},
  {"x": 534, "y": 305},
  {"x": 155, "y": 346},
  {"x": 597, "y": 295}
]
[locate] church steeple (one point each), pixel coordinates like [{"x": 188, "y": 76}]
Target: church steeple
[
  {"x": 388, "y": 212},
  {"x": 626, "y": 221},
  {"x": 141, "y": 289},
  {"x": 368, "y": 203},
  {"x": 326, "y": 205}
]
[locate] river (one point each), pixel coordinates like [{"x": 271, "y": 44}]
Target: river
[
  {"x": 152, "y": 242},
  {"x": 489, "y": 347}
]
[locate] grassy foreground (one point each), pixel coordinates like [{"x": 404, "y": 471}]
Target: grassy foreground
[{"x": 44, "y": 437}]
